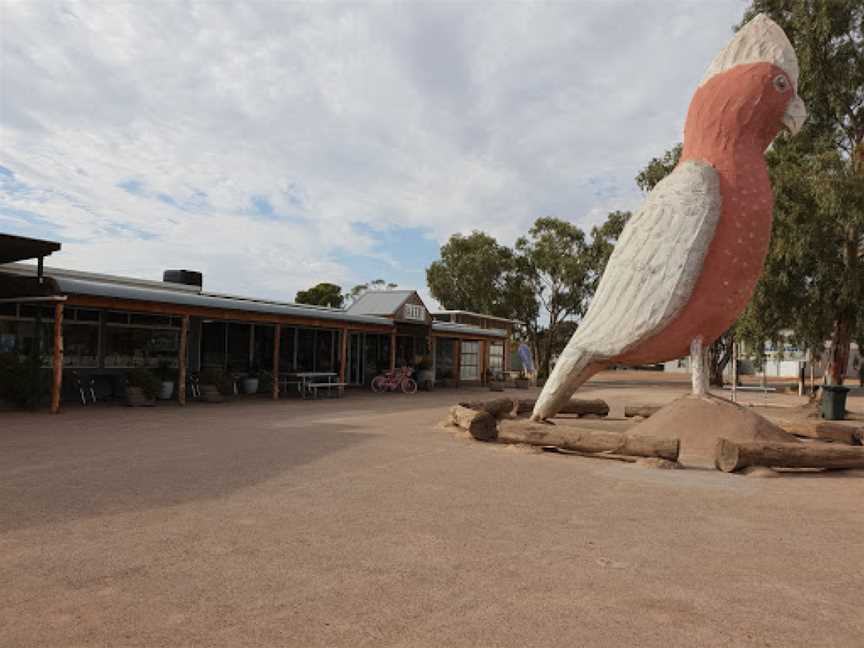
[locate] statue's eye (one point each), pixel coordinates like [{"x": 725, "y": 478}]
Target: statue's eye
[{"x": 781, "y": 83}]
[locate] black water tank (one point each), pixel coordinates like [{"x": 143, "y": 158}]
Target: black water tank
[{"x": 186, "y": 277}]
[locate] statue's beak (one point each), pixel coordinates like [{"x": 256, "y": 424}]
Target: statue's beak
[{"x": 795, "y": 115}]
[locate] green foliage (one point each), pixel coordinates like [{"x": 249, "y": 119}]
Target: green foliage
[
  {"x": 557, "y": 262},
  {"x": 376, "y": 284},
  {"x": 814, "y": 275},
  {"x": 603, "y": 240},
  {"x": 658, "y": 168},
  {"x": 17, "y": 376},
  {"x": 813, "y": 283},
  {"x": 544, "y": 283},
  {"x": 146, "y": 380},
  {"x": 473, "y": 274},
  {"x": 322, "y": 294}
]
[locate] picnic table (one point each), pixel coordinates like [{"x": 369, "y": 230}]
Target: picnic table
[{"x": 309, "y": 383}]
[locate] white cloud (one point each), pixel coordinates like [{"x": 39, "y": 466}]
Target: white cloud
[{"x": 448, "y": 117}]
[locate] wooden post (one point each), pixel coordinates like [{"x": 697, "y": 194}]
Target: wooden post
[
  {"x": 393, "y": 350},
  {"x": 277, "y": 338},
  {"x": 432, "y": 352},
  {"x": 457, "y": 361},
  {"x": 57, "y": 383},
  {"x": 343, "y": 354},
  {"x": 182, "y": 354},
  {"x": 484, "y": 348}
]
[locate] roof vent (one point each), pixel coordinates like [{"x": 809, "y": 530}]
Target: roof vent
[{"x": 185, "y": 277}]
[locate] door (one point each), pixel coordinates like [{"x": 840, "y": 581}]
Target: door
[
  {"x": 356, "y": 360},
  {"x": 470, "y": 361}
]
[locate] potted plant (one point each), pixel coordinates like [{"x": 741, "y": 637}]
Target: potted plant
[
  {"x": 521, "y": 381},
  {"x": 265, "y": 381},
  {"x": 425, "y": 376},
  {"x": 250, "y": 381},
  {"x": 166, "y": 378},
  {"x": 142, "y": 387}
]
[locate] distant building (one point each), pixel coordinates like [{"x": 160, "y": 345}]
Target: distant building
[{"x": 111, "y": 324}]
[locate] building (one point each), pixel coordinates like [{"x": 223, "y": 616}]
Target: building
[{"x": 101, "y": 326}]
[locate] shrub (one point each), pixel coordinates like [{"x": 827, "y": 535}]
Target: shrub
[
  {"x": 145, "y": 379},
  {"x": 17, "y": 378}
]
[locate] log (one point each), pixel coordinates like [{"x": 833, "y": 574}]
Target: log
[
  {"x": 730, "y": 456},
  {"x": 585, "y": 440},
  {"x": 481, "y": 425},
  {"x": 640, "y": 410},
  {"x": 578, "y": 406},
  {"x": 499, "y": 407},
  {"x": 814, "y": 429}
]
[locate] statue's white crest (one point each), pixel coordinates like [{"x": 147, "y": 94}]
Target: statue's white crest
[{"x": 759, "y": 41}]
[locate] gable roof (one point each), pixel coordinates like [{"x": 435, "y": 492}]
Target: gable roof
[{"x": 380, "y": 302}]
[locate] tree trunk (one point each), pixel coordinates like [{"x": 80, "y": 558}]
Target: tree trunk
[
  {"x": 816, "y": 429},
  {"x": 640, "y": 410},
  {"x": 573, "y": 406},
  {"x": 730, "y": 456},
  {"x": 499, "y": 407},
  {"x": 720, "y": 353},
  {"x": 847, "y": 311},
  {"x": 839, "y": 354},
  {"x": 481, "y": 425},
  {"x": 584, "y": 440}
]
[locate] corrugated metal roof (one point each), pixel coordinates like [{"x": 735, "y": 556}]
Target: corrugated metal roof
[
  {"x": 473, "y": 314},
  {"x": 185, "y": 298},
  {"x": 465, "y": 329},
  {"x": 380, "y": 302}
]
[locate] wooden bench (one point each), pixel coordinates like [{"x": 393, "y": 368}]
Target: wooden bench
[{"x": 340, "y": 387}]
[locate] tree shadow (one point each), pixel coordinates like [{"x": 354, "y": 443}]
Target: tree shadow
[{"x": 57, "y": 469}]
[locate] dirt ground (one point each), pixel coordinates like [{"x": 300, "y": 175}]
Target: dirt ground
[{"x": 362, "y": 522}]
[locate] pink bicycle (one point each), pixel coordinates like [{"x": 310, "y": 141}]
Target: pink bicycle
[{"x": 396, "y": 379}]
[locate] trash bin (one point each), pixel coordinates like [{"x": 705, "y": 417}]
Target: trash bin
[{"x": 834, "y": 402}]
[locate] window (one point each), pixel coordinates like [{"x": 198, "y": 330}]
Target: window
[
  {"x": 415, "y": 312},
  {"x": 139, "y": 346},
  {"x": 238, "y": 346},
  {"x": 470, "y": 361},
  {"x": 444, "y": 358}
]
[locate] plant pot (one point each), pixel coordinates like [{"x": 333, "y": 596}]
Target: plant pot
[
  {"x": 521, "y": 383},
  {"x": 166, "y": 389},
  {"x": 496, "y": 387},
  {"x": 250, "y": 385},
  {"x": 426, "y": 379}
]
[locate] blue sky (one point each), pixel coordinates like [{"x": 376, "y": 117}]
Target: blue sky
[{"x": 275, "y": 145}]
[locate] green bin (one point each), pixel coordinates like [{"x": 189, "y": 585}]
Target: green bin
[{"x": 834, "y": 402}]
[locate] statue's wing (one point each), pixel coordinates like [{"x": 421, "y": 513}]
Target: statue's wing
[{"x": 656, "y": 262}]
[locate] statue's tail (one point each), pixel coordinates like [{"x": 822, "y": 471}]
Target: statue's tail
[{"x": 574, "y": 367}]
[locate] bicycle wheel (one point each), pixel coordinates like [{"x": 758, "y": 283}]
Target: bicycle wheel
[
  {"x": 379, "y": 384},
  {"x": 409, "y": 386}
]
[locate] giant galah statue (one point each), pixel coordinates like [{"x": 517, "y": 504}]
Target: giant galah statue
[{"x": 687, "y": 262}]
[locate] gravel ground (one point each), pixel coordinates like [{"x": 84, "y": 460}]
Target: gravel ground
[{"x": 362, "y": 522}]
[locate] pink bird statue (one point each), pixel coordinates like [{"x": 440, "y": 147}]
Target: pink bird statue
[{"x": 687, "y": 262}]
